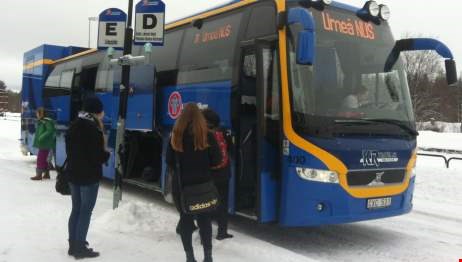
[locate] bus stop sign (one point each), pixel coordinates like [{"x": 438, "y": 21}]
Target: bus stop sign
[
  {"x": 149, "y": 22},
  {"x": 111, "y": 30}
]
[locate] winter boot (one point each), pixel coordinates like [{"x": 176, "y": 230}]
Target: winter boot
[
  {"x": 46, "y": 175},
  {"x": 223, "y": 233},
  {"x": 71, "y": 251},
  {"x": 208, "y": 255},
  {"x": 38, "y": 174},
  {"x": 81, "y": 251},
  {"x": 190, "y": 256}
]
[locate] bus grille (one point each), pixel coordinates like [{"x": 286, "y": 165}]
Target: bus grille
[{"x": 376, "y": 177}]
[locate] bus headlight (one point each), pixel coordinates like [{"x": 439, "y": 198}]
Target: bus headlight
[
  {"x": 413, "y": 172},
  {"x": 384, "y": 13},
  {"x": 324, "y": 176},
  {"x": 372, "y": 8}
]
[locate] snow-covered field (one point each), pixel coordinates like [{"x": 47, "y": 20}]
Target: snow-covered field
[{"x": 33, "y": 222}]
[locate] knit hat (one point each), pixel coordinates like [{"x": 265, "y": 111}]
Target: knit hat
[{"x": 93, "y": 105}]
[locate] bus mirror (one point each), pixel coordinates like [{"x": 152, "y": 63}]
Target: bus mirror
[
  {"x": 306, "y": 37},
  {"x": 420, "y": 44},
  {"x": 305, "y": 50},
  {"x": 451, "y": 71}
]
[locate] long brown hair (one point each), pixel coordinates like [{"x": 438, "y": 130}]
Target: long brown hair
[{"x": 190, "y": 118}]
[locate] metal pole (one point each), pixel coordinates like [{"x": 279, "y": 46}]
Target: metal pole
[
  {"x": 123, "y": 98},
  {"x": 89, "y": 28}
]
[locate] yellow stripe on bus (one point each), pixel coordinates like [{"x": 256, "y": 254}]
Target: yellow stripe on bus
[
  {"x": 38, "y": 63},
  {"x": 90, "y": 51},
  {"x": 332, "y": 162},
  {"x": 210, "y": 13}
]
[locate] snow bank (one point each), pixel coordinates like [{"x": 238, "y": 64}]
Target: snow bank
[
  {"x": 444, "y": 127},
  {"x": 435, "y": 140},
  {"x": 139, "y": 218}
]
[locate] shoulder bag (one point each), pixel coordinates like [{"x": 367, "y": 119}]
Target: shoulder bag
[
  {"x": 62, "y": 180},
  {"x": 198, "y": 198}
]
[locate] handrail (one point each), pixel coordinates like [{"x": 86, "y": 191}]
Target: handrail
[{"x": 446, "y": 160}]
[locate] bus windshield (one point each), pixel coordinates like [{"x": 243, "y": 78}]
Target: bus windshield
[{"x": 346, "y": 89}]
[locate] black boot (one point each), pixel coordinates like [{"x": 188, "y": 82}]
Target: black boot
[
  {"x": 70, "y": 251},
  {"x": 208, "y": 255},
  {"x": 223, "y": 233},
  {"x": 81, "y": 251},
  {"x": 190, "y": 256}
]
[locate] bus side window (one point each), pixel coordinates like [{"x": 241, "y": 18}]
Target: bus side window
[
  {"x": 271, "y": 97},
  {"x": 208, "y": 52},
  {"x": 261, "y": 17},
  {"x": 249, "y": 82},
  {"x": 165, "y": 58}
]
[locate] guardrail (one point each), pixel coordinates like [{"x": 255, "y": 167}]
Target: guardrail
[{"x": 446, "y": 159}]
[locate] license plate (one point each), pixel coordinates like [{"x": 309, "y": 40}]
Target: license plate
[{"x": 378, "y": 203}]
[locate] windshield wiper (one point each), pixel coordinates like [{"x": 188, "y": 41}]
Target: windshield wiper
[{"x": 403, "y": 126}]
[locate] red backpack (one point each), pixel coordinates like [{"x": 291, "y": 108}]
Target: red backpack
[{"x": 219, "y": 136}]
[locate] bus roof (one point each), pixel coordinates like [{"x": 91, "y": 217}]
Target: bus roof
[
  {"x": 217, "y": 10},
  {"x": 234, "y": 4}
]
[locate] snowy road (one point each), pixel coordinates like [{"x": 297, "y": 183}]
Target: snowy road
[{"x": 33, "y": 223}]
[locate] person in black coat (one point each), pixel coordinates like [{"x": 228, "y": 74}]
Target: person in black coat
[
  {"x": 196, "y": 151},
  {"x": 86, "y": 152},
  {"x": 220, "y": 173}
]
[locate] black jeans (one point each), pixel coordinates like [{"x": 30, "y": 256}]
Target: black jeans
[
  {"x": 186, "y": 223},
  {"x": 221, "y": 214},
  {"x": 187, "y": 227}
]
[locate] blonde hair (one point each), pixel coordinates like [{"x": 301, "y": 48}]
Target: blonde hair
[{"x": 190, "y": 118}]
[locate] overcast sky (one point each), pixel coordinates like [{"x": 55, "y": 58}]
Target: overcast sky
[{"x": 29, "y": 23}]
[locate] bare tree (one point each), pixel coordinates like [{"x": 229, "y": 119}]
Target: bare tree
[
  {"x": 2, "y": 85},
  {"x": 423, "y": 68}
]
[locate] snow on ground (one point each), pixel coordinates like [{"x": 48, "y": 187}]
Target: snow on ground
[
  {"x": 33, "y": 222},
  {"x": 435, "y": 140}
]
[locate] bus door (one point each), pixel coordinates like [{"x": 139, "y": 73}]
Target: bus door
[
  {"x": 257, "y": 185},
  {"x": 143, "y": 151}
]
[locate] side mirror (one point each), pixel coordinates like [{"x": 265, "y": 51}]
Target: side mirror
[
  {"x": 306, "y": 37},
  {"x": 305, "y": 50},
  {"x": 451, "y": 71},
  {"x": 417, "y": 44}
]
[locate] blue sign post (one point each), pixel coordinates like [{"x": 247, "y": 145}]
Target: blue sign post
[
  {"x": 111, "y": 30},
  {"x": 149, "y": 22}
]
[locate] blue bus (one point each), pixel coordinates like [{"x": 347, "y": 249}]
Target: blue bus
[{"x": 278, "y": 72}]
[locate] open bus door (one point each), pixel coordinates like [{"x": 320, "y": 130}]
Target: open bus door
[
  {"x": 141, "y": 156},
  {"x": 257, "y": 181}
]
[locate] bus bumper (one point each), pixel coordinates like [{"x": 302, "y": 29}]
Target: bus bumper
[{"x": 337, "y": 205}]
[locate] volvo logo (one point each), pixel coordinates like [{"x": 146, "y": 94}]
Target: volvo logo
[{"x": 377, "y": 180}]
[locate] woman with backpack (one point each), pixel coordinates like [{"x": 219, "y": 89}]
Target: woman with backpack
[
  {"x": 221, "y": 173},
  {"x": 192, "y": 151},
  {"x": 86, "y": 153},
  {"x": 45, "y": 142}
]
